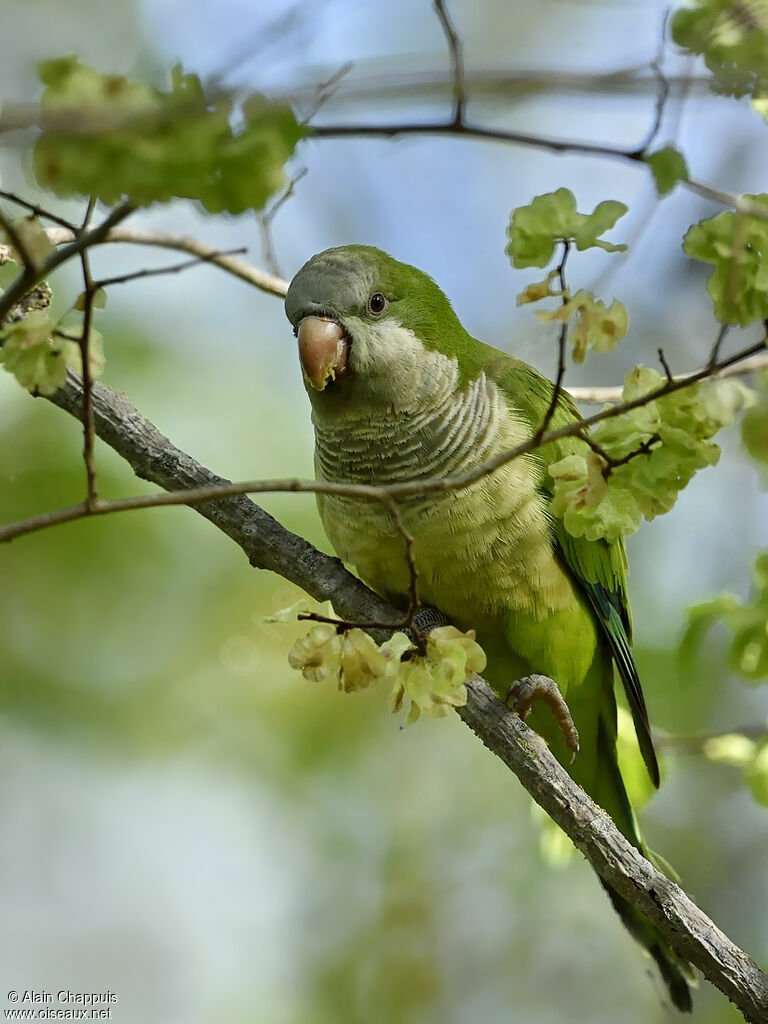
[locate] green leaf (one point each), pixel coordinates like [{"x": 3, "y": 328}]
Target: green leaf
[
  {"x": 602, "y": 218},
  {"x": 110, "y": 137},
  {"x": 669, "y": 167},
  {"x": 737, "y": 245},
  {"x": 534, "y": 230}
]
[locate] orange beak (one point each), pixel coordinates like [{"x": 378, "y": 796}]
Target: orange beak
[{"x": 323, "y": 351}]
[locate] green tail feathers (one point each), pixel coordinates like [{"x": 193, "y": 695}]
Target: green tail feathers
[
  {"x": 611, "y": 794},
  {"x": 678, "y": 976}
]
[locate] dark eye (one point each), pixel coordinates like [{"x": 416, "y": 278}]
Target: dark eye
[{"x": 377, "y": 303}]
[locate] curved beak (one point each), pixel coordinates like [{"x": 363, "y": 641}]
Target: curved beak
[{"x": 323, "y": 350}]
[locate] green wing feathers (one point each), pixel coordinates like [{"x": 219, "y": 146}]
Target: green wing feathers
[{"x": 600, "y": 567}]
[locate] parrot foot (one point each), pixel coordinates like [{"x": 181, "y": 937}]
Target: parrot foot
[{"x": 523, "y": 692}]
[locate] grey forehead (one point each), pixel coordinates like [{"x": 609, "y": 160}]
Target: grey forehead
[{"x": 330, "y": 282}]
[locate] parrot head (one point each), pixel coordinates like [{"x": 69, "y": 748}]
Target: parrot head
[{"x": 369, "y": 326}]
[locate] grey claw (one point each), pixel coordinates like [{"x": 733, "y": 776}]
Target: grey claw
[{"x": 523, "y": 692}]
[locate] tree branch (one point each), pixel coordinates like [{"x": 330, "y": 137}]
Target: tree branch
[
  {"x": 269, "y": 545},
  {"x": 182, "y": 243}
]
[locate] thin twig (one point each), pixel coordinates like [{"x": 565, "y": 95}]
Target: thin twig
[
  {"x": 182, "y": 243},
  {"x": 325, "y": 90},
  {"x": 715, "y": 353},
  {"x": 555, "y": 145},
  {"x": 665, "y": 365},
  {"x": 413, "y": 573},
  {"x": 173, "y": 268},
  {"x": 561, "y": 346},
  {"x": 89, "y": 210},
  {"x": 662, "y": 88},
  {"x": 611, "y": 462},
  {"x": 457, "y": 61},
  {"x": 39, "y": 211},
  {"x": 265, "y": 223},
  {"x": 89, "y": 291}
]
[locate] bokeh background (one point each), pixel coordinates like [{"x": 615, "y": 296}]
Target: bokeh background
[{"x": 185, "y": 821}]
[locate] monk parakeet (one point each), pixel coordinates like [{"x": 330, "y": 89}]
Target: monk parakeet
[{"x": 400, "y": 392}]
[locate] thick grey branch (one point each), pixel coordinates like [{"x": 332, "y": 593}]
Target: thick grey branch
[{"x": 269, "y": 545}]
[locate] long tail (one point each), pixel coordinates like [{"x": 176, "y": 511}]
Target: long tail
[{"x": 609, "y": 792}]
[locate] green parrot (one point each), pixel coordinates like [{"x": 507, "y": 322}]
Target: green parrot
[{"x": 401, "y": 392}]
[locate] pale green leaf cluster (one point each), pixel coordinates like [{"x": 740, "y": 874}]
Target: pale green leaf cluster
[
  {"x": 110, "y": 137},
  {"x": 733, "y": 40},
  {"x": 595, "y": 326},
  {"x": 672, "y": 438},
  {"x": 668, "y": 167},
  {"x": 433, "y": 683},
  {"x": 737, "y": 245},
  {"x": 747, "y": 621},
  {"x": 536, "y": 229},
  {"x": 748, "y": 755}
]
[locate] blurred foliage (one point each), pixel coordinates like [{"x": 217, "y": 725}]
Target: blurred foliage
[
  {"x": 732, "y": 38},
  {"x": 107, "y": 136},
  {"x": 747, "y": 621},
  {"x": 747, "y": 754}
]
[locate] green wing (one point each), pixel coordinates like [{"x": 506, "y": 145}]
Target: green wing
[{"x": 600, "y": 567}]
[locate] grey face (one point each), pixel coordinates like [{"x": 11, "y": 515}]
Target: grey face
[{"x": 332, "y": 284}]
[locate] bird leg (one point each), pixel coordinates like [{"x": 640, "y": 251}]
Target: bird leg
[
  {"x": 426, "y": 619},
  {"x": 523, "y": 692}
]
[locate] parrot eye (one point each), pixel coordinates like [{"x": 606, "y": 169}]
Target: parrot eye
[{"x": 377, "y": 303}]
